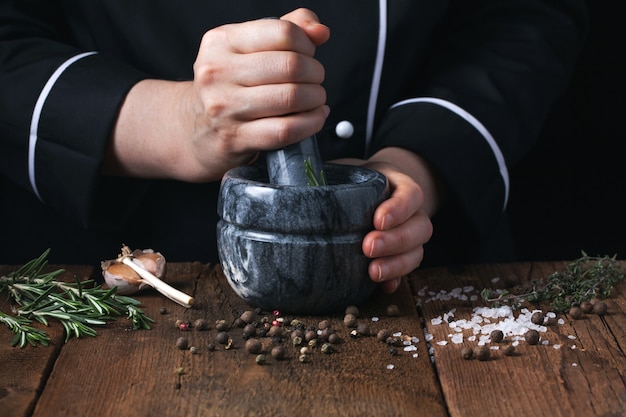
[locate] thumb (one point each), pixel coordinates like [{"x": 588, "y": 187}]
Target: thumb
[{"x": 310, "y": 24}]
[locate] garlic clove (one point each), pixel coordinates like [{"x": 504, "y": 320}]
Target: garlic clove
[
  {"x": 123, "y": 277},
  {"x": 151, "y": 261}
]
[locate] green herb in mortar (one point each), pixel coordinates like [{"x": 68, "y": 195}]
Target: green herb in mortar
[
  {"x": 78, "y": 305},
  {"x": 581, "y": 280},
  {"x": 314, "y": 179}
]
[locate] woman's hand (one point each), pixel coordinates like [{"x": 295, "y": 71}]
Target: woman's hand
[
  {"x": 256, "y": 86},
  {"x": 402, "y": 222}
]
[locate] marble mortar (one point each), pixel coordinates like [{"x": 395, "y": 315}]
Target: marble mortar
[{"x": 298, "y": 248}]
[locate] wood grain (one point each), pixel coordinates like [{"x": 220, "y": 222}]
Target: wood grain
[{"x": 581, "y": 371}]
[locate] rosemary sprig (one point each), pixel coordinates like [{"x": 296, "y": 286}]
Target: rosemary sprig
[
  {"x": 581, "y": 280},
  {"x": 314, "y": 180},
  {"x": 78, "y": 306}
]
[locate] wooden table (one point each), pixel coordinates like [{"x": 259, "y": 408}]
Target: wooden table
[{"x": 121, "y": 372}]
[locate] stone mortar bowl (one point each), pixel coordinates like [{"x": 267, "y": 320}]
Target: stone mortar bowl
[{"x": 298, "y": 248}]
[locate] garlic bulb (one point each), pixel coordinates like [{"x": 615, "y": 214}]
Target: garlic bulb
[
  {"x": 123, "y": 277},
  {"x": 134, "y": 270},
  {"x": 151, "y": 261}
]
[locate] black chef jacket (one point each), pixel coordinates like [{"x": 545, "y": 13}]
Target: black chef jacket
[{"x": 466, "y": 84}]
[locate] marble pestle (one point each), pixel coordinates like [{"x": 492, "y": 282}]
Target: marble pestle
[{"x": 286, "y": 166}]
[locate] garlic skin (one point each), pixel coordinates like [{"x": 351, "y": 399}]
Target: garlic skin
[
  {"x": 151, "y": 261},
  {"x": 123, "y": 277}
]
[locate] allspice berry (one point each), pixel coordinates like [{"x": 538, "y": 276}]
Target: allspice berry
[
  {"x": 467, "y": 353},
  {"x": 393, "y": 310},
  {"x": 482, "y": 353},
  {"x": 363, "y": 329},
  {"x": 253, "y": 346},
  {"x": 383, "y": 334},
  {"x": 354, "y": 310},
  {"x": 600, "y": 308},
  {"x": 576, "y": 313},
  {"x": 509, "y": 350},
  {"x": 334, "y": 339},
  {"x": 537, "y": 318},
  {"x": 278, "y": 352},
  {"x": 586, "y": 307},
  {"x": 350, "y": 320},
  {"x": 247, "y": 316},
  {"x": 182, "y": 343},
  {"x": 496, "y": 336},
  {"x": 532, "y": 337}
]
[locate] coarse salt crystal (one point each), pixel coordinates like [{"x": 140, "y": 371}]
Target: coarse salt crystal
[
  {"x": 442, "y": 342},
  {"x": 397, "y": 334},
  {"x": 410, "y": 348},
  {"x": 556, "y": 346},
  {"x": 415, "y": 355},
  {"x": 390, "y": 366},
  {"x": 415, "y": 339},
  {"x": 457, "y": 338},
  {"x": 436, "y": 321},
  {"x": 494, "y": 347},
  {"x": 573, "y": 347},
  {"x": 574, "y": 364},
  {"x": 495, "y": 279},
  {"x": 375, "y": 319},
  {"x": 428, "y": 337},
  {"x": 571, "y": 337},
  {"x": 561, "y": 321}
]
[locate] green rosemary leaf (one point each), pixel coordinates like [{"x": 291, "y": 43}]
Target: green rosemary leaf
[{"x": 77, "y": 306}]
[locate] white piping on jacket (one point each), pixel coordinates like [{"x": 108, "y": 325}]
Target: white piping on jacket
[
  {"x": 504, "y": 172},
  {"x": 34, "y": 123},
  {"x": 378, "y": 70}
]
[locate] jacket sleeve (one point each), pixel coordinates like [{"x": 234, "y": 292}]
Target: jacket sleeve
[
  {"x": 495, "y": 68},
  {"x": 43, "y": 79}
]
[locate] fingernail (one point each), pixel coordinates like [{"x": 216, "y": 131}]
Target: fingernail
[
  {"x": 376, "y": 247},
  {"x": 382, "y": 272},
  {"x": 387, "y": 219}
]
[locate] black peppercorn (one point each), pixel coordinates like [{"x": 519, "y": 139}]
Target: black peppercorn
[
  {"x": 532, "y": 337},
  {"x": 222, "y": 338},
  {"x": 211, "y": 347},
  {"x": 576, "y": 313},
  {"x": 537, "y": 318},
  {"x": 393, "y": 351},
  {"x": 310, "y": 335},
  {"x": 182, "y": 343},
  {"x": 482, "y": 353},
  {"x": 201, "y": 324},
  {"x": 163, "y": 310},
  {"x": 496, "y": 336},
  {"x": 250, "y": 330},
  {"x": 239, "y": 323},
  {"x": 600, "y": 308}
]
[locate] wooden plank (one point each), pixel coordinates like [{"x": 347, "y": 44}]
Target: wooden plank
[
  {"x": 581, "y": 371},
  {"x": 136, "y": 373},
  {"x": 24, "y": 371}
]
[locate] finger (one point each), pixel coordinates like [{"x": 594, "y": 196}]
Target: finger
[
  {"x": 262, "y": 35},
  {"x": 406, "y": 199},
  {"x": 393, "y": 267},
  {"x": 411, "y": 234},
  {"x": 276, "y": 132},
  {"x": 276, "y": 100},
  {"x": 310, "y": 24},
  {"x": 275, "y": 67},
  {"x": 391, "y": 285}
]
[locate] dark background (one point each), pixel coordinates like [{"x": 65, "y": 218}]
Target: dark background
[{"x": 569, "y": 193}]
